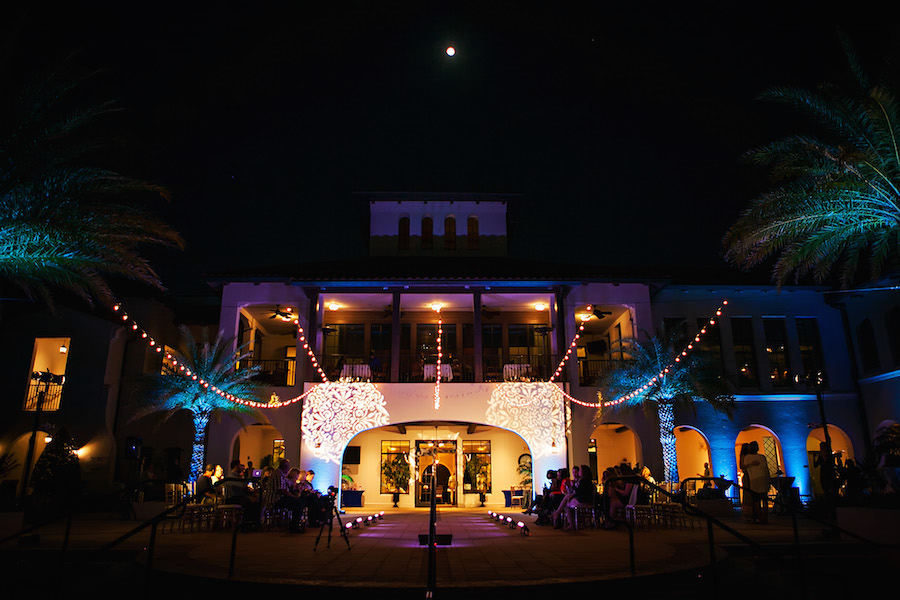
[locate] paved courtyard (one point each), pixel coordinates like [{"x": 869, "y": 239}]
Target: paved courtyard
[{"x": 386, "y": 558}]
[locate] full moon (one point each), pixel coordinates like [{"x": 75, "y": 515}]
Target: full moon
[{"x": 451, "y": 51}]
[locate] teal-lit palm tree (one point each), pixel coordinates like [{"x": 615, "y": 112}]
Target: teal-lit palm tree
[
  {"x": 67, "y": 224},
  {"x": 835, "y": 201},
  {"x": 213, "y": 366},
  {"x": 686, "y": 380}
]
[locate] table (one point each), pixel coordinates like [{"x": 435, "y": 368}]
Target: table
[
  {"x": 516, "y": 371},
  {"x": 352, "y": 371},
  {"x": 351, "y": 497},
  {"x": 430, "y": 370}
]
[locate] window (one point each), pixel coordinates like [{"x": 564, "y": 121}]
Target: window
[
  {"x": 472, "y": 233},
  {"x": 47, "y": 374},
  {"x": 744, "y": 351},
  {"x": 810, "y": 346},
  {"x": 427, "y": 233},
  {"x": 347, "y": 339},
  {"x": 675, "y": 329},
  {"x": 403, "y": 234},
  {"x": 710, "y": 342},
  {"x": 868, "y": 351},
  {"x": 777, "y": 351},
  {"x": 450, "y": 233},
  {"x": 277, "y": 452},
  {"x": 476, "y": 467},
  {"x": 395, "y": 471}
]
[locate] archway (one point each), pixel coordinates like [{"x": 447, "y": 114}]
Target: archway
[
  {"x": 12, "y": 482},
  {"x": 257, "y": 446},
  {"x": 694, "y": 458},
  {"x": 769, "y": 446},
  {"x": 614, "y": 444},
  {"x": 841, "y": 448},
  {"x": 470, "y": 458}
]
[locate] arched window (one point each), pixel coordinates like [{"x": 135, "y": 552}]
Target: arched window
[
  {"x": 472, "y": 233},
  {"x": 892, "y": 323},
  {"x": 868, "y": 351},
  {"x": 403, "y": 234},
  {"x": 427, "y": 233},
  {"x": 449, "y": 233}
]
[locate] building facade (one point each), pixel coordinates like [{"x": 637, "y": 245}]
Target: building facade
[{"x": 441, "y": 351}]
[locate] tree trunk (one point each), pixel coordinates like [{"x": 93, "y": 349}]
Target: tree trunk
[
  {"x": 667, "y": 440},
  {"x": 198, "y": 451}
]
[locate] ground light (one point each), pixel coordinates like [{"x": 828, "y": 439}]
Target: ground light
[{"x": 509, "y": 522}]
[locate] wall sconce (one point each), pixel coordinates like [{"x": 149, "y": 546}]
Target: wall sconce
[{"x": 63, "y": 349}]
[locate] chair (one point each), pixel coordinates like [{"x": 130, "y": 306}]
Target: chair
[
  {"x": 270, "y": 517},
  {"x": 228, "y": 516},
  {"x": 585, "y": 515},
  {"x": 517, "y": 498},
  {"x": 197, "y": 515}
]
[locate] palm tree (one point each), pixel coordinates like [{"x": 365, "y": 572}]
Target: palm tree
[
  {"x": 65, "y": 223},
  {"x": 212, "y": 369},
  {"x": 836, "y": 196},
  {"x": 684, "y": 380}
]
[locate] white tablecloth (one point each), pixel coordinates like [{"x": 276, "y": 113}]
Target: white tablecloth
[
  {"x": 515, "y": 372},
  {"x": 431, "y": 370},
  {"x": 356, "y": 372}
]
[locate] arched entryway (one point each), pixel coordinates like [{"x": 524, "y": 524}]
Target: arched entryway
[
  {"x": 614, "y": 444},
  {"x": 841, "y": 448},
  {"x": 769, "y": 446},
  {"x": 257, "y": 446},
  {"x": 692, "y": 448},
  {"x": 469, "y": 460}
]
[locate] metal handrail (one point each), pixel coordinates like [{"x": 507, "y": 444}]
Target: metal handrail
[{"x": 692, "y": 510}]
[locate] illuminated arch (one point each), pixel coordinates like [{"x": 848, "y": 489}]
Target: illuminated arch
[
  {"x": 616, "y": 443},
  {"x": 693, "y": 450}
]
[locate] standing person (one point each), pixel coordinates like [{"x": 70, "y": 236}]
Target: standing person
[
  {"x": 758, "y": 474},
  {"x": 746, "y": 501}
]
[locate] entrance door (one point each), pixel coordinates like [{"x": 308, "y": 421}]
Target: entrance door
[{"x": 436, "y": 458}]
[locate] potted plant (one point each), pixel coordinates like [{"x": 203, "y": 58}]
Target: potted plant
[{"x": 395, "y": 475}]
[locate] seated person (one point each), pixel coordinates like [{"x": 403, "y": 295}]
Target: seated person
[{"x": 204, "y": 491}]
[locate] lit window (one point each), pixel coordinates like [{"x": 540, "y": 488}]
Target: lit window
[{"x": 47, "y": 374}]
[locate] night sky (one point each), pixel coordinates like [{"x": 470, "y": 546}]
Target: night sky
[{"x": 621, "y": 127}]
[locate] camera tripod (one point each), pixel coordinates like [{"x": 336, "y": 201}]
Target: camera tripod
[{"x": 331, "y": 516}]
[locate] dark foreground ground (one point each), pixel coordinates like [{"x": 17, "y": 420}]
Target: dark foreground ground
[{"x": 483, "y": 559}]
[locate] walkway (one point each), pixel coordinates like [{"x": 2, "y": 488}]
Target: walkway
[{"x": 386, "y": 559}]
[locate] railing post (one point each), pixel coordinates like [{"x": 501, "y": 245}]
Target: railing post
[
  {"x": 151, "y": 546},
  {"x": 712, "y": 556},
  {"x": 234, "y": 535}
]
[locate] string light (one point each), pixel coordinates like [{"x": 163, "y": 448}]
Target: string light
[
  {"x": 437, "y": 376},
  {"x": 181, "y": 369},
  {"x": 665, "y": 371}
]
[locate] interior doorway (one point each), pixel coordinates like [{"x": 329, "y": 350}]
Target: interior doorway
[{"x": 437, "y": 457}]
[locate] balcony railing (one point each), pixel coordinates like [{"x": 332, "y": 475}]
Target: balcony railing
[
  {"x": 277, "y": 372},
  {"x": 591, "y": 371},
  {"x": 52, "y": 392}
]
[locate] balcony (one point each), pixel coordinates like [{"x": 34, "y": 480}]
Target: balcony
[{"x": 278, "y": 372}]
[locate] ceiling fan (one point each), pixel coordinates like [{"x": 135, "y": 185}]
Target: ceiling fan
[
  {"x": 599, "y": 313},
  {"x": 285, "y": 314}
]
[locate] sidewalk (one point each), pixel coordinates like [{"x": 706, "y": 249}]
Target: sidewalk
[{"x": 386, "y": 558}]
